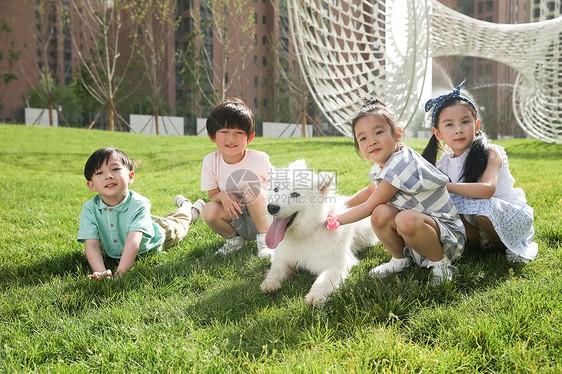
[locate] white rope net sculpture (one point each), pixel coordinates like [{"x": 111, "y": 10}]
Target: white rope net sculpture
[{"x": 351, "y": 49}]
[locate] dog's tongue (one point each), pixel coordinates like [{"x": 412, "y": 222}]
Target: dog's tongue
[{"x": 276, "y": 232}]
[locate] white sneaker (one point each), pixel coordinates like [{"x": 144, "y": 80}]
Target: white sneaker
[
  {"x": 232, "y": 245},
  {"x": 179, "y": 200},
  {"x": 263, "y": 249},
  {"x": 514, "y": 258},
  {"x": 197, "y": 209},
  {"x": 395, "y": 265},
  {"x": 441, "y": 271}
]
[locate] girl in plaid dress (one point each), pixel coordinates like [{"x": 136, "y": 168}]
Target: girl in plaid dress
[{"x": 411, "y": 211}]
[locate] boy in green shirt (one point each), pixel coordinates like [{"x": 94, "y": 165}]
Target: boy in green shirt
[{"x": 120, "y": 219}]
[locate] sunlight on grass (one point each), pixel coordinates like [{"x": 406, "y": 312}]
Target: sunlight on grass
[{"x": 189, "y": 310}]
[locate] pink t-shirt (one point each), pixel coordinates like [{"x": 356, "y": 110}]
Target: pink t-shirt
[{"x": 248, "y": 175}]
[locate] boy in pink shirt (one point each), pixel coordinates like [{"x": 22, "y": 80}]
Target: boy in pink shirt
[{"x": 235, "y": 178}]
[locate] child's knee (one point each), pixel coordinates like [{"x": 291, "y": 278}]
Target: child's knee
[
  {"x": 211, "y": 211},
  {"x": 382, "y": 216},
  {"x": 257, "y": 200},
  {"x": 407, "y": 223}
]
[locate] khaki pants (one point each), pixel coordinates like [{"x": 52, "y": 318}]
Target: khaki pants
[{"x": 175, "y": 225}]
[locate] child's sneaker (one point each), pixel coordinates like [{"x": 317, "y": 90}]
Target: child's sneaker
[
  {"x": 441, "y": 271},
  {"x": 263, "y": 249},
  {"x": 395, "y": 265},
  {"x": 179, "y": 200},
  {"x": 514, "y": 258},
  {"x": 232, "y": 245},
  {"x": 197, "y": 209}
]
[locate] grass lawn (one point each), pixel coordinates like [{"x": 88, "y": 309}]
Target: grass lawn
[{"x": 191, "y": 311}]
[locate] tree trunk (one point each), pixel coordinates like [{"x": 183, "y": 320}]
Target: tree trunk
[
  {"x": 50, "y": 116},
  {"x": 156, "y": 122},
  {"x": 110, "y": 115}
]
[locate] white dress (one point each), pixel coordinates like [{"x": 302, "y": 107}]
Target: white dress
[{"x": 508, "y": 211}]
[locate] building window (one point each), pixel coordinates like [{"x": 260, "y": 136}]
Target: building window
[
  {"x": 264, "y": 40},
  {"x": 255, "y": 60},
  {"x": 256, "y": 82},
  {"x": 489, "y": 6},
  {"x": 264, "y": 61},
  {"x": 263, "y": 19},
  {"x": 255, "y": 102},
  {"x": 255, "y": 18},
  {"x": 226, "y": 78}
]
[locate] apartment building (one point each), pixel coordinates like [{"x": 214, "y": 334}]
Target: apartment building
[
  {"x": 542, "y": 10},
  {"x": 250, "y": 73},
  {"x": 43, "y": 41}
]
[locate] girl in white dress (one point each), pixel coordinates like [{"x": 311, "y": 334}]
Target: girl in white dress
[{"x": 481, "y": 185}]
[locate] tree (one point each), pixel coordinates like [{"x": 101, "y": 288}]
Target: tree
[
  {"x": 51, "y": 25},
  {"x": 221, "y": 28},
  {"x": 156, "y": 19},
  {"x": 103, "y": 22},
  {"x": 10, "y": 54}
]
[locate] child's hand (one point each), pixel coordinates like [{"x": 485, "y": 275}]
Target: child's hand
[
  {"x": 333, "y": 222},
  {"x": 101, "y": 274},
  {"x": 231, "y": 205}
]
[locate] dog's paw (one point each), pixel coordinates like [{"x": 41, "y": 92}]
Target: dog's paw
[
  {"x": 270, "y": 285},
  {"x": 315, "y": 298}
]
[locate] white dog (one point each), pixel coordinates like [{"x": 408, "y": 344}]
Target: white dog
[{"x": 299, "y": 202}]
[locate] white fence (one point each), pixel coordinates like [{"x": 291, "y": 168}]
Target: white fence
[
  {"x": 40, "y": 117},
  {"x": 270, "y": 129},
  {"x": 145, "y": 124},
  {"x": 285, "y": 130}
]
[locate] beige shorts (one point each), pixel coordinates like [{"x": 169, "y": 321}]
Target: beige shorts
[{"x": 174, "y": 226}]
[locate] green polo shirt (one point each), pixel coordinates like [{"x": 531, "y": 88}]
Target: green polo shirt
[{"x": 111, "y": 225}]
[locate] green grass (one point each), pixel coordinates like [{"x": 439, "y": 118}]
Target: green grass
[{"x": 190, "y": 311}]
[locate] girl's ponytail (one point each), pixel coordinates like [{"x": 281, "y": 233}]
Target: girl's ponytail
[
  {"x": 430, "y": 151},
  {"x": 477, "y": 158}
]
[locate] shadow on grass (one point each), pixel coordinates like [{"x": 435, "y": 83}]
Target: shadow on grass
[
  {"x": 224, "y": 291},
  {"x": 40, "y": 271},
  {"x": 258, "y": 319}
]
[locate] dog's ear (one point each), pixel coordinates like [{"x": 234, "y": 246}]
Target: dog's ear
[
  {"x": 298, "y": 165},
  {"x": 326, "y": 182}
]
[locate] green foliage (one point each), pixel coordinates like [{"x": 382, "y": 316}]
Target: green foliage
[
  {"x": 8, "y": 53},
  {"x": 190, "y": 311}
]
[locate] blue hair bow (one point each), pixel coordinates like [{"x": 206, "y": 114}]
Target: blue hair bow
[{"x": 438, "y": 101}]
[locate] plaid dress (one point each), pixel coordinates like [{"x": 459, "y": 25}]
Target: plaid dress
[{"x": 421, "y": 187}]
